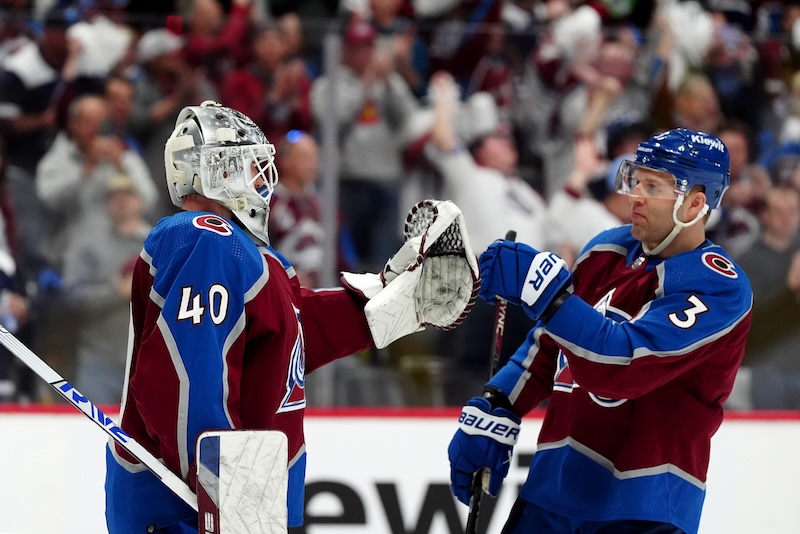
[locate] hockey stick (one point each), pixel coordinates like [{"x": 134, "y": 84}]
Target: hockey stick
[
  {"x": 481, "y": 478},
  {"x": 85, "y": 406}
]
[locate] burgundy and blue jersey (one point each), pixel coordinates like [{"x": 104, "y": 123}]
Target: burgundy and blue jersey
[
  {"x": 636, "y": 366},
  {"x": 223, "y": 335}
]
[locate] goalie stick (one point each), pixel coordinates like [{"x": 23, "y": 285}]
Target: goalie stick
[
  {"x": 85, "y": 406},
  {"x": 242, "y": 474},
  {"x": 481, "y": 479}
]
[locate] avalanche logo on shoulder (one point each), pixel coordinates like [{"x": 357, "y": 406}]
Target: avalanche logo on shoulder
[
  {"x": 720, "y": 264},
  {"x": 213, "y": 223}
]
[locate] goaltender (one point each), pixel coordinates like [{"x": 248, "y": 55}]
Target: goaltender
[{"x": 222, "y": 332}]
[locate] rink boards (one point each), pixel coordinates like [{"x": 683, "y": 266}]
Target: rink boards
[{"x": 380, "y": 472}]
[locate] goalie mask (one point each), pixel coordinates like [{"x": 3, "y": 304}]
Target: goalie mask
[{"x": 221, "y": 154}]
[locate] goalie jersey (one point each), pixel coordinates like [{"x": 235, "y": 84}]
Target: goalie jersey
[
  {"x": 222, "y": 337},
  {"x": 636, "y": 371}
]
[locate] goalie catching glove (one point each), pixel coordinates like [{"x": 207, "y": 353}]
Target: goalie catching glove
[{"x": 433, "y": 280}]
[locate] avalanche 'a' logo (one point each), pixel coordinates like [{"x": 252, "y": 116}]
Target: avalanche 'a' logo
[
  {"x": 563, "y": 380},
  {"x": 295, "y": 396}
]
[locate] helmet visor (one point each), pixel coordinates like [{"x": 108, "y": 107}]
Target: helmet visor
[{"x": 640, "y": 181}]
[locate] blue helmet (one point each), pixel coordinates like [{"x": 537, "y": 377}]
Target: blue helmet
[{"x": 694, "y": 158}]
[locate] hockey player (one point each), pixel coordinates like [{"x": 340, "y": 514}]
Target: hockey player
[
  {"x": 636, "y": 350},
  {"x": 222, "y": 332}
]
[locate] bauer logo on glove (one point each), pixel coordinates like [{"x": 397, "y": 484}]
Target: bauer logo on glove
[
  {"x": 474, "y": 421},
  {"x": 524, "y": 277},
  {"x": 545, "y": 267}
]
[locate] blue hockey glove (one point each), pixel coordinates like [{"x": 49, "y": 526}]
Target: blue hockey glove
[
  {"x": 523, "y": 276},
  {"x": 485, "y": 439}
]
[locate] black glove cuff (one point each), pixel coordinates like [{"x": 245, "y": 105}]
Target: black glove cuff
[
  {"x": 497, "y": 399},
  {"x": 553, "y": 307}
]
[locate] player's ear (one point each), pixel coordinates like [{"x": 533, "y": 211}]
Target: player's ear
[{"x": 695, "y": 201}]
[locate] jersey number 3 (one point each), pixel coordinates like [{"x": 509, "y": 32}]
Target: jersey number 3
[
  {"x": 691, "y": 313},
  {"x": 192, "y": 306}
]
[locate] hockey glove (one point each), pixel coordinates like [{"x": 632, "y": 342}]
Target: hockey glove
[
  {"x": 431, "y": 281},
  {"x": 485, "y": 439},
  {"x": 368, "y": 285},
  {"x": 537, "y": 281}
]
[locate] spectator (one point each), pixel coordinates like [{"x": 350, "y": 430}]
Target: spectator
[
  {"x": 733, "y": 69},
  {"x": 97, "y": 290},
  {"x": 33, "y": 81},
  {"x": 165, "y": 85},
  {"x": 373, "y": 103},
  {"x": 72, "y": 176},
  {"x": 461, "y": 36},
  {"x": 104, "y": 43},
  {"x": 696, "y": 105},
  {"x": 315, "y": 16},
  {"x": 771, "y": 351},
  {"x": 293, "y": 40},
  {"x": 602, "y": 78},
  {"x": 295, "y": 220},
  {"x": 14, "y": 28},
  {"x": 736, "y": 226},
  {"x": 574, "y": 216},
  {"x": 273, "y": 90},
  {"x": 484, "y": 183},
  {"x": 493, "y": 73},
  {"x": 14, "y": 307},
  {"x": 398, "y": 36},
  {"x": 482, "y": 178},
  {"x": 292, "y": 28},
  {"x": 789, "y": 128},
  {"x": 118, "y": 94},
  {"x": 216, "y": 41}
]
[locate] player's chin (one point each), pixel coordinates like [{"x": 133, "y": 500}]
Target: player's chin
[{"x": 637, "y": 230}]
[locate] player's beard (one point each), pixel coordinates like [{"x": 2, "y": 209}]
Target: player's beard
[{"x": 656, "y": 223}]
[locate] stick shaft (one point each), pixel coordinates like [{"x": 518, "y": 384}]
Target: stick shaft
[
  {"x": 481, "y": 479},
  {"x": 85, "y": 406}
]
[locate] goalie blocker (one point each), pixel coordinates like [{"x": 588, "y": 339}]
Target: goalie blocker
[{"x": 433, "y": 280}]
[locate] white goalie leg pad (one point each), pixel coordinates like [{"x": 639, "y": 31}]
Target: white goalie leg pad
[
  {"x": 242, "y": 482},
  {"x": 439, "y": 287}
]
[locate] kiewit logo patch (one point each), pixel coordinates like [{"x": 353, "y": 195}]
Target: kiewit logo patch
[
  {"x": 720, "y": 264},
  {"x": 213, "y": 223},
  {"x": 709, "y": 142}
]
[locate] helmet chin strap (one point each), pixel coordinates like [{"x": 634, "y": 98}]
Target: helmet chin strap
[{"x": 679, "y": 225}]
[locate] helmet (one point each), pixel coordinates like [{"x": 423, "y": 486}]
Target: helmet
[
  {"x": 221, "y": 154},
  {"x": 694, "y": 158}
]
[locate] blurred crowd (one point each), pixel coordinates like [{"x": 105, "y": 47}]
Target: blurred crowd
[{"x": 520, "y": 111}]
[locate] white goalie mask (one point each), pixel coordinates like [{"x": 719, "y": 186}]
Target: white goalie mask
[{"x": 221, "y": 154}]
